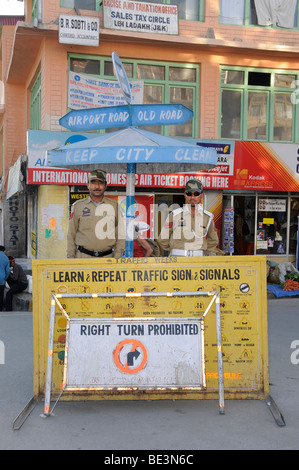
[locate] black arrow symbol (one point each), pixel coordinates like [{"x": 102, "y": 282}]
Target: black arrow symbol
[{"x": 131, "y": 356}]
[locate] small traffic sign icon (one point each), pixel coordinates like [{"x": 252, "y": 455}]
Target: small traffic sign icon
[{"x": 130, "y": 356}]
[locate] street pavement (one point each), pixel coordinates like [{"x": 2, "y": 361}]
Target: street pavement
[{"x": 159, "y": 425}]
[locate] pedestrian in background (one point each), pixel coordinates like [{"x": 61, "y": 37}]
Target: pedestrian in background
[
  {"x": 4, "y": 273},
  {"x": 17, "y": 281}
]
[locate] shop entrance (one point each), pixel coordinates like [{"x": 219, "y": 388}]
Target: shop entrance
[
  {"x": 242, "y": 231},
  {"x": 261, "y": 224}
]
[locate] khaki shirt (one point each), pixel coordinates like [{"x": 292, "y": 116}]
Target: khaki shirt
[
  {"x": 95, "y": 228},
  {"x": 181, "y": 231}
]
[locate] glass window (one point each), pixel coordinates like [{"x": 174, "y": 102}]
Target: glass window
[
  {"x": 258, "y": 105},
  {"x": 190, "y": 10},
  {"x": 231, "y": 114},
  {"x": 232, "y": 76},
  {"x": 257, "y": 116},
  {"x": 271, "y": 225},
  {"x": 80, "y": 4},
  {"x": 232, "y": 12},
  {"x": 263, "y": 13},
  {"x": 285, "y": 81},
  {"x": 109, "y": 71},
  {"x": 283, "y": 117},
  {"x": 154, "y": 72},
  {"x": 180, "y": 74},
  {"x": 153, "y": 94},
  {"x": 35, "y": 104},
  {"x": 259, "y": 79},
  {"x": 185, "y": 96},
  {"x": 91, "y": 67}
]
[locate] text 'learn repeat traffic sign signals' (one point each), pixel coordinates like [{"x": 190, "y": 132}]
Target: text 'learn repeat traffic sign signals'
[{"x": 124, "y": 116}]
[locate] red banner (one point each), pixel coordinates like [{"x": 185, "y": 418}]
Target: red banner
[{"x": 257, "y": 166}]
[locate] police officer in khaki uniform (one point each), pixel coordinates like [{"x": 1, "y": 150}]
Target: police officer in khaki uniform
[
  {"x": 190, "y": 231},
  {"x": 95, "y": 229}
]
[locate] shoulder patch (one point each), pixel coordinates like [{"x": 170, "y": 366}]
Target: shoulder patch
[
  {"x": 177, "y": 211},
  {"x": 209, "y": 214}
]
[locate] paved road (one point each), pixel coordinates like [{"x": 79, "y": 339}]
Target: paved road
[{"x": 151, "y": 425}]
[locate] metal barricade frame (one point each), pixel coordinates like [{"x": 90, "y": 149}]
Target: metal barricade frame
[{"x": 215, "y": 298}]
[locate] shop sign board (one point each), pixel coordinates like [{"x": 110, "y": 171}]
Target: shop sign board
[
  {"x": 241, "y": 282},
  {"x": 123, "y": 116},
  {"x": 272, "y": 205},
  {"x": 141, "y": 17},
  {"x": 79, "y": 30}
]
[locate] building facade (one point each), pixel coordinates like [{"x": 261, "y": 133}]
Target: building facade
[{"x": 235, "y": 64}]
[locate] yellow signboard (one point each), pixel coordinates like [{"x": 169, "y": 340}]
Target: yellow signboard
[{"x": 241, "y": 282}]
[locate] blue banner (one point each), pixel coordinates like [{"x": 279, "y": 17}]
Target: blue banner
[{"x": 93, "y": 155}]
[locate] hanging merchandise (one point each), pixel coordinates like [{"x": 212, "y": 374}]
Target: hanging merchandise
[
  {"x": 228, "y": 241},
  {"x": 276, "y": 12}
]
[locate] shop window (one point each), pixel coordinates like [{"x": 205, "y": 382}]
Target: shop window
[
  {"x": 258, "y": 105},
  {"x": 271, "y": 226},
  {"x": 283, "y": 14},
  {"x": 260, "y": 224}
]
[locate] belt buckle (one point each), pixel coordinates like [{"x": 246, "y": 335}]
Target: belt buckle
[
  {"x": 189, "y": 252},
  {"x": 96, "y": 253}
]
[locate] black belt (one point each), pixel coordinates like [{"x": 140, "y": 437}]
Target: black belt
[{"x": 94, "y": 253}]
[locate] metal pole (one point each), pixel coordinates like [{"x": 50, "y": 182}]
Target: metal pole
[
  {"x": 219, "y": 356},
  {"x": 130, "y": 210},
  {"x": 50, "y": 359}
]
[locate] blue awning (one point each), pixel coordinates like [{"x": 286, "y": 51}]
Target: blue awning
[{"x": 133, "y": 145}]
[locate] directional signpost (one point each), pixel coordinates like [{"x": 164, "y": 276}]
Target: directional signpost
[
  {"x": 124, "y": 116},
  {"x": 122, "y": 77},
  {"x": 131, "y": 167}
]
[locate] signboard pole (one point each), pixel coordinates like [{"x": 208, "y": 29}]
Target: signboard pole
[
  {"x": 50, "y": 359},
  {"x": 131, "y": 167},
  {"x": 219, "y": 355},
  {"x": 130, "y": 198}
]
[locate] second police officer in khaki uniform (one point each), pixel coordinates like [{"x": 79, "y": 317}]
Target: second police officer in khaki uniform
[
  {"x": 95, "y": 228},
  {"x": 190, "y": 231}
]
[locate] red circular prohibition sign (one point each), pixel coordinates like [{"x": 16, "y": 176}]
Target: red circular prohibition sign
[{"x": 126, "y": 368}]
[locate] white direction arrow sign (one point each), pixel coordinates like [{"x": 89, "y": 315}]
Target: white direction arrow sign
[
  {"x": 124, "y": 116},
  {"x": 122, "y": 77}
]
